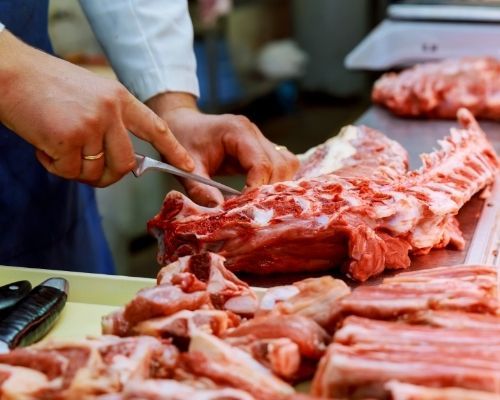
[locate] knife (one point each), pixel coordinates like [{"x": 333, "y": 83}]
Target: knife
[
  {"x": 32, "y": 317},
  {"x": 144, "y": 164}
]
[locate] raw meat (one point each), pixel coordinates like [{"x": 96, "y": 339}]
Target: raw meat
[
  {"x": 471, "y": 288},
  {"x": 172, "y": 390},
  {"x": 190, "y": 283},
  {"x": 21, "y": 383},
  {"x": 85, "y": 368},
  {"x": 314, "y": 298},
  {"x": 309, "y": 336},
  {"x": 407, "y": 391},
  {"x": 290, "y": 345},
  {"x": 440, "y": 89},
  {"x": 366, "y": 354},
  {"x": 455, "y": 320},
  {"x": 158, "y": 301},
  {"x": 226, "y": 290},
  {"x": 365, "y": 224},
  {"x": 355, "y": 151},
  {"x": 211, "y": 357}
]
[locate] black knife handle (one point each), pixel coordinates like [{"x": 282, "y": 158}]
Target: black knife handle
[
  {"x": 13, "y": 292},
  {"x": 32, "y": 317}
]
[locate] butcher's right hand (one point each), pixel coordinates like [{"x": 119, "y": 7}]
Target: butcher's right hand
[{"x": 67, "y": 113}]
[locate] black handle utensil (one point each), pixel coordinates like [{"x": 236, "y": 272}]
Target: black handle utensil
[
  {"x": 12, "y": 293},
  {"x": 32, "y": 317}
]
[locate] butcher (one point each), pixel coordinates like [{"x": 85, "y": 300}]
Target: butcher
[{"x": 65, "y": 130}]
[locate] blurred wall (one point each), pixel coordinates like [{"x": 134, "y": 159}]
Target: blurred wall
[{"x": 327, "y": 30}]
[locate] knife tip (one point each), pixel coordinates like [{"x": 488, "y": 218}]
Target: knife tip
[{"x": 57, "y": 283}]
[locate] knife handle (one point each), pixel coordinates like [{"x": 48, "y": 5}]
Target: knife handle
[
  {"x": 12, "y": 293},
  {"x": 32, "y": 317}
]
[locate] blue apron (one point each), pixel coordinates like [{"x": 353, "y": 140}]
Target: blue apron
[{"x": 45, "y": 221}]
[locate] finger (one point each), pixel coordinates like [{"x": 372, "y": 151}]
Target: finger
[
  {"x": 92, "y": 170},
  {"x": 202, "y": 194},
  {"x": 252, "y": 157},
  {"x": 68, "y": 166},
  {"x": 118, "y": 155},
  {"x": 145, "y": 124},
  {"x": 283, "y": 166}
]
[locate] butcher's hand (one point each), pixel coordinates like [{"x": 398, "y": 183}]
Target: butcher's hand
[
  {"x": 67, "y": 113},
  {"x": 222, "y": 144}
]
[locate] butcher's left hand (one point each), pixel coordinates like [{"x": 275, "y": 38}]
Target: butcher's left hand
[{"x": 221, "y": 144}]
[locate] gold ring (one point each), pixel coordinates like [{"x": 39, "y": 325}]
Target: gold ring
[
  {"x": 280, "y": 148},
  {"x": 96, "y": 157}
]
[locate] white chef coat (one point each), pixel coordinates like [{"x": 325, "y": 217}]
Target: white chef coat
[
  {"x": 148, "y": 42},
  {"x": 1, "y": 27}
]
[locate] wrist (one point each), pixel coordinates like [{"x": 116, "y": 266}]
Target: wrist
[{"x": 164, "y": 103}]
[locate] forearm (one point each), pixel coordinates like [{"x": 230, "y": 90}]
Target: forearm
[{"x": 14, "y": 56}]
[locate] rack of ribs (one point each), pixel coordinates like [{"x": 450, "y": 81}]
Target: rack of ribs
[
  {"x": 439, "y": 89},
  {"x": 353, "y": 215}
]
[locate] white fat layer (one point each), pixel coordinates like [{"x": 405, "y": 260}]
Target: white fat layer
[
  {"x": 322, "y": 220},
  {"x": 338, "y": 149},
  {"x": 262, "y": 217},
  {"x": 276, "y": 294}
]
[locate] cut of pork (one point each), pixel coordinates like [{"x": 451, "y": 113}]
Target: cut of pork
[
  {"x": 306, "y": 333},
  {"x": 407, "y": 391},
  {"x": 172, "y": 390},
  {"x": 211, "y": 357},
  {"x": 355, "y": 151},
  {"x": 183, "y": 323},
  {"x": 314, "y": 298},
  {"x": 227, "y": 292},
  {"x": 81, "y": 369},
  {"x": 363, "y": 224},
  {"x": 158, "y": 301},
  {"x": 455, "y": 320},
  {"x": 366, "y": 354},
  {"x": 471, "y": 288},
  {"x": 290, "y": 345},
  {"x": 440, "y": 89}
]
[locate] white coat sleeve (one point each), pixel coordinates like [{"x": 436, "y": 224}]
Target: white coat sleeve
[
  {"x": 148, "y": 42},
  {"x": 2, "y": 26}
]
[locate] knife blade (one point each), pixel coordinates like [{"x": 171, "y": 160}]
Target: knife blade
[
  {"x": 144, "y": 164},
  {"x": 32, "y": 317}
]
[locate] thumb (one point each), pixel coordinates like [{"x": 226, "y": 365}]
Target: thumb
[
  {"x": 202, "y": 194},
  {"x": 146, "y": 125}
]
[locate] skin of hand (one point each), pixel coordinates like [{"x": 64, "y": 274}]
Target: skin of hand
[
  {"x": 222, "y": 144},
  {"x": 67, "y": 112}
]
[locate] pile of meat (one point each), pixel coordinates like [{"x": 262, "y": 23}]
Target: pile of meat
[
  {"x": 354, "y": 205},
  {"x": 202, "y": 334},
  {"x": 439, "y": 89}
]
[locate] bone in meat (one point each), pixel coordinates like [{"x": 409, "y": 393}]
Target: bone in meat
[
  {"x": 439, "y": 89},
  {"x": 364, "y": 224},
  {"x": 85, "y": 368},
  {"x": 366, "y": 354},
  {"x": 226, "y": 290},
  {"x": 314, "y": 298},
  {"x": 471, "y": 288},
  {"x": 407, "y": 391},
  {"x": 229, "y": 366},
  {"x": 183, "y": 323}
]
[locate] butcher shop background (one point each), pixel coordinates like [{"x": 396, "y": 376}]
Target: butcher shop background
[{"x": 279, "y": 62}]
